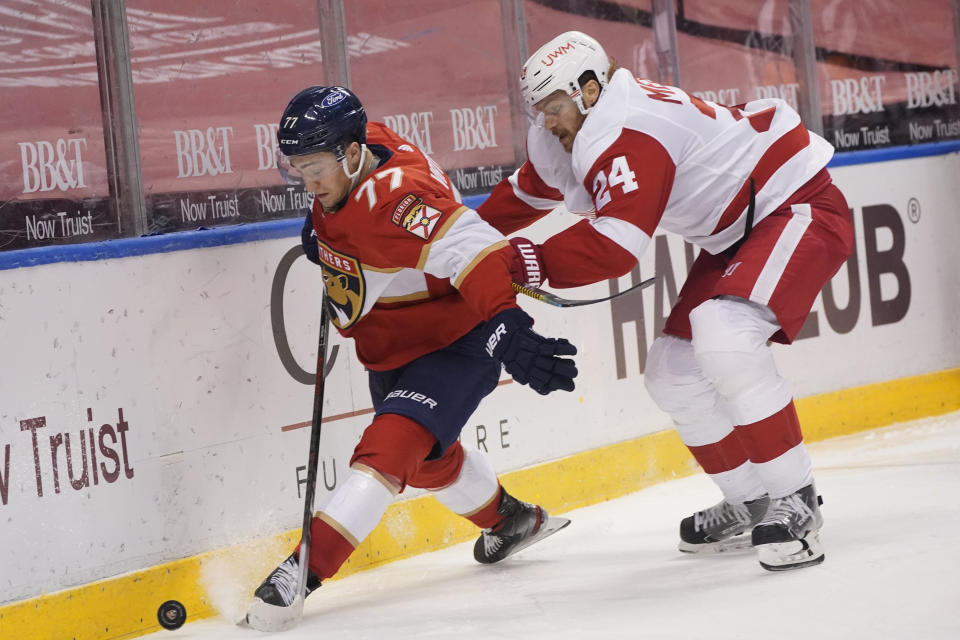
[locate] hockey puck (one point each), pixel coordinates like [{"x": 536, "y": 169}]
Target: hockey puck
[{"x": 171, "y": 615}]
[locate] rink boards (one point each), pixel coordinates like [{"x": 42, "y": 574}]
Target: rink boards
[{"x": 154, "y": 409}]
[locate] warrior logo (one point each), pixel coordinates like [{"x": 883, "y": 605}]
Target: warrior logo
[
  {"x": 344, "y": 283},
  {"x": 416, "y": 217}
]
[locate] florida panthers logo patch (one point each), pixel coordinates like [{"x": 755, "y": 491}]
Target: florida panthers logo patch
[
  {"x": 413, "y": 215},
  {"x": 343, "y": 279}
]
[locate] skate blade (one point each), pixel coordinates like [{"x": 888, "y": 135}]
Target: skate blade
[
  {"x": 548, "y": 528},
  {"x": 795, "y": 554},
  {"x": 738, "y": 543},
  {"x": 267, "y": 617}
]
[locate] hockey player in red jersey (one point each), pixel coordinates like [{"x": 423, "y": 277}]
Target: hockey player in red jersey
[
  {"x": 423, "y": 286},
  {"x": 748, "y": 186}
]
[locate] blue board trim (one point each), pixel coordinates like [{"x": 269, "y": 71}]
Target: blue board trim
[
  {"x": 870, "y": 156},
  {"x": 289, "y": 228}
]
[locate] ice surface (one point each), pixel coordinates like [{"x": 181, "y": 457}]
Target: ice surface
[{"x": 892, "y": 512}]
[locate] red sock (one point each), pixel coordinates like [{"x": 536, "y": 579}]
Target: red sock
[
  {"x": 768, "y": 439},
  {"x": 328, "y": 549},
  {"x": 487, "y": 517}
]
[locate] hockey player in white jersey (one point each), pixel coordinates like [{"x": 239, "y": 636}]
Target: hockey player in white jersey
[{"x": 748, "y": 186}]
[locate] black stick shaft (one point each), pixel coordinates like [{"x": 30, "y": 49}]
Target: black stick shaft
[
  {"x": 313, "y": 458},
  {"x": 557, "y": 301}
]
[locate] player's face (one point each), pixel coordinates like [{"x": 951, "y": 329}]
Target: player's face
[
  {"x": 323, "y": 176},
  {"x": 561, "y": 117}
]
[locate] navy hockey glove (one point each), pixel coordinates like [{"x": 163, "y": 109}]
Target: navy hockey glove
[
  {"x": 529, "y": 357},
  {"x": 526, "y": 267},
  {"x": 308, "y": 238}
]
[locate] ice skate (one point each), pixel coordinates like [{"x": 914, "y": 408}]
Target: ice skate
[
  {"x": 524, "y": 524},
  {"x": 788, "y": 536},
  {"x": 276, "y": 604},
  {"x": 722, "y": 528}
]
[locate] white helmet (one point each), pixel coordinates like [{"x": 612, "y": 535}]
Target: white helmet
[{"x": 559, "y": 65}]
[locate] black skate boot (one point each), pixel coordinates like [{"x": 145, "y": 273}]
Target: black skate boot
[
  {"x": 523, "y": 525},
  {"x": 272, "y": 608},
  {"x": 788, "y": 536},
  {"x": 722, "y": 527}
]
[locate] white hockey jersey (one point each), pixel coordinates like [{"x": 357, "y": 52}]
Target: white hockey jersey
[{"x": 650, "y": 156}]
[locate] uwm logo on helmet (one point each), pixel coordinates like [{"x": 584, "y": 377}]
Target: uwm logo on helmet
[
  {"x": 474, "y": 128},
  {"x": 49, "y": 166},
  {"x": 552, "y": 56},
  {"x": 203, "y": 153}
]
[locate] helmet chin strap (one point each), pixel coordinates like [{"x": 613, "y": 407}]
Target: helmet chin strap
[{"x": 355, "y": 176}]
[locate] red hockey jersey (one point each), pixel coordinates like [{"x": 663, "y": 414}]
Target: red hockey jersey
[{"x": 407, "y": 268}]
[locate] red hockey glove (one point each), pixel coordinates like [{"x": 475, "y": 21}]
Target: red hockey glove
[
  {"x": 527, "y": 264},
  {"x": 529, "y": 357}
]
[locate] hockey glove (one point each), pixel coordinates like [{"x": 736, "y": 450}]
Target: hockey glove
[
  {"x": 308, "y": 238},
  {"x": 526, "y": 267},
  {"x": 529, "y": 357}
]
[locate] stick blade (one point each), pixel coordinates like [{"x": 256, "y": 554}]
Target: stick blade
[{"x": 270, "y": 618}]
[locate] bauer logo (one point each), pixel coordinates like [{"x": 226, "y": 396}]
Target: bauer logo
[
  {"x": 474, "y": 128},
  {"x": 413, "y": 396},
  {"x": 203, "y": 152},
  {"x": 49, "y": 166},
  {"x": 414, "y": 127},
  {"x": 852, "y": 95}
]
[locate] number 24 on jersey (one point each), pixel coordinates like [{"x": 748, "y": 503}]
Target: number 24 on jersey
[{"x": 620, "y": 176}]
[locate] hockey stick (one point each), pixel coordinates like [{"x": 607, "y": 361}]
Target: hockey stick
[
  {"x": 313, "y": 458},
  {"x": 266, "y": 617},
  {"x": 557, "y": 301}
]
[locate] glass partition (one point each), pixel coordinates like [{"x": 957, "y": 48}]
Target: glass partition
[
  {"x": 435, "y": 72},
  {"x": 53, "y": 180},
  {"x": 211, "y": 79},
  {"x": 888, "y": 75},
  {"x": 733, "y": 52},
  {"x": 210, "y": 82},
  {"x": 623, "y": 29}
]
